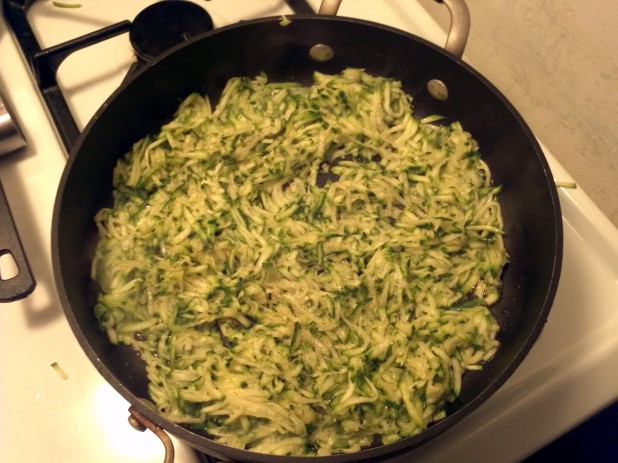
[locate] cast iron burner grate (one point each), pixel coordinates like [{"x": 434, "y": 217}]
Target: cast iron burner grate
[
  {"x": 151, "y": 33},
  {"x": 148, "y": 42}
]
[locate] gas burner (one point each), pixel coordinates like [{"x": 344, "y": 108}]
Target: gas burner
[{"x": 163, "y": 25}]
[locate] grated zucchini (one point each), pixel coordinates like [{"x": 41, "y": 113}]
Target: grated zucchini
[{"x": 303, "y": 270}]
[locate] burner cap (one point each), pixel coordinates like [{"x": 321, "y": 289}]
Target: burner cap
[{"x": 166, "y": 23}]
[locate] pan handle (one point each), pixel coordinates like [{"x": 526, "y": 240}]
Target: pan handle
[
  {"x": 139, "y": 422},
  {"x": 460, "y": 27},
  {"x": 458, "y": 30},
  {"x": 329, "y": 7}
]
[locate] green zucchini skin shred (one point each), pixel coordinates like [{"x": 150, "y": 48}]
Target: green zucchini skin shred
[{"x": 303, "y": 270}]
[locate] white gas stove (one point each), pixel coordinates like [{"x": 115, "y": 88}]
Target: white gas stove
[{"x": 570, "y": 373}]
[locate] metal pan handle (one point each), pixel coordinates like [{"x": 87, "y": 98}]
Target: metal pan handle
[
  {"x": 458, "y": 31},
  {"x": 141, "y": 423}
]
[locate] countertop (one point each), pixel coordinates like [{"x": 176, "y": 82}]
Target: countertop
[{"x": 557, "y": 63}]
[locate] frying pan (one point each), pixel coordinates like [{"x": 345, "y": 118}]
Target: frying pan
[{"x": 529, "y": 199}]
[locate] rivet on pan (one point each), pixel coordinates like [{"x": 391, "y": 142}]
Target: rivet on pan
[
  {"x": 135, "y": 424},
  {"x": 321, "y": 53},
  {"x": 437, "y": 89}
]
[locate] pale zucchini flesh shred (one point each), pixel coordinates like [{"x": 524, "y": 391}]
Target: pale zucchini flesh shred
[{"x": 303, "y": 270}]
